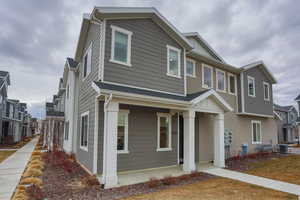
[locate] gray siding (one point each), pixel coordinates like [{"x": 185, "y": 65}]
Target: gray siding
[
  {"x": 257, "y": 105},
  {"x": 148, "y": 57},
  {"x": 86, "y": 101},
  {"x": 142, "y": 140}
]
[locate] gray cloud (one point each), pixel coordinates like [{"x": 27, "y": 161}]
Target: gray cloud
[{"x": 37, "y": 36}]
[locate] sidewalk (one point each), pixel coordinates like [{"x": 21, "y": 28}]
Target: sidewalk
[
  {"x": 12, "y": 168},
  {"x": 255, "y": 180}
]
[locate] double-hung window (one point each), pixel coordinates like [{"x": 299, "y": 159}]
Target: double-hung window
[
  {"x": 122, "y": 145},
  {"x": 120, "y": 46},
  {"x": 207, "y": 76},
  {"x": 266, "y": 91},
  {"x": 190, "y": 68},
  {"x": 256, "y": 132},
  {"x": 84, "y": 130},
  {"x": 164, "y": 132},
  {"x": 231, "y": 84},
  {"x": 66, "y": 130},
  {"x": 87, "y": 62},
  {"x": 173, "y": 55},
  {"x": 251, "y": 86},
  {"x": 221, "y": 80}
]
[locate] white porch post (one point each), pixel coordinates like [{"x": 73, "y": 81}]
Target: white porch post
[
  {"x": 219, "y": 153},
  {"x": 109, "y": 177},
  {"x": 189, "y": 141}
]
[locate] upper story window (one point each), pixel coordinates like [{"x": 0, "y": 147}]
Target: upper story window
[
  {"x": 68, "y": 90},
  {"x": 232, "y": 84},
  {"x": 164, "y": 133},
  {"x": 251, "y": 86},
  {"x": 122, "y": 145},
  {"x": 256, "y": 132},
  {"x": 221, "y": 80},
  {"x": 1, "y": 99},
  {"x": 120, "y": 46},
  {"x": 84, "y": 127},
  {"x": 207, "y": 76},
  {"x": 266, "y": 91},
  {"x": 190, "y": 68},
  {"x": 87, "y": 62},
  {"x": 173, "y": 61},
  {"x": 66, "y": 130}
]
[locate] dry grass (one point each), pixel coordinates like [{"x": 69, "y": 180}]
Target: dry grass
[
  {"x": 285, "y": 169},
  {"x": 36, "y": 153},
  {"x": 30, "y": 172},
  {"x": 218, "y": 188},
  {"x": 31, "y": 180},
  {"x": 36, "y": 166},
  {"x": 37, "y": 162},
  {"x": 5, "y": 154}
]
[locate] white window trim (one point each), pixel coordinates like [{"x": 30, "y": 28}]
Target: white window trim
[
  {"x": 217, "y": 81},
  {"x": 159, "y": 115},
  {"x": 66, "y": 130},
  {"x": 125, "y": 151},
  {"x": 267, "y": 84},
  {"x": 194, "y": 68},
  {"x": 179, "y": 61},
  {"x": 212, "y": 76},
  {"x": 254, "y": 92},
  {"x": 112, "y": 53},
  {"x": 87, "y": 113},
  {"x": 235, "y": 83},
  {"x": 256, "y": 122},
  {"x": 86, "y": 52}
]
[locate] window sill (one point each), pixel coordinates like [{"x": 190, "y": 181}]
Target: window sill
[
  {"x": 84, "y": 148},
  {"x": 253, "y": 96},
  {"x": 206, "y": 87},
  {"x": 123, "y": 152},
  {"x": 120, "y": 63},
  {"x": 164, "y": 149},
  {"x": 173, "y": 75},
  {"x": 234, "y": 94},
  {"x": 223, "y": 91},
  {"x": 267, "y": 99},
  {"x": 192, "y": 76},
  {"x": 256, "y": 142}
]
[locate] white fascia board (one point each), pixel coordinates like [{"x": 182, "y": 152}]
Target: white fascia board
[
  {"x": 277, "y": 115},
  {"x": 255, "y": 115}
]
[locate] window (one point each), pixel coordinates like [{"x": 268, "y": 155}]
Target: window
[
  {"x": 207, "y": 77},
  {"x": 190, "y": 68},
  {"x": 120, "y": 46},
  {"x": 164, "y": 132},
  {"x": 66, "y": 130},
  {"x": 68, "y": 90},
  {"x": 232, "y": 84},
  {"x": 122, "y": 145},
  {"x": 221, "y": 80},
  {"x": 251, "y": 86},
  {"x": 256, "y": 132},
  {"x": 84, "y": 131},
  {"x": 87, "y": 61},
  {"x": 266, "y": 91},
  {"x": 173, "y": 61}
]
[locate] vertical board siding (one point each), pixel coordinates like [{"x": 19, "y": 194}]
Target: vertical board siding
[
  {"x": 148, "y": 57},
  {"x": 142, "y": 140},
  {"x": 257, "y": 104},
  {"x": 87, "y": 96}
]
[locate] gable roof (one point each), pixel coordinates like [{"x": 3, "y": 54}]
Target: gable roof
[
  {"x": 284, "y": 108},
  {"x": 72, "y": 63},
  {"x": 204, "y": 45},
  {"x": 5, "y": 75},
  {"x": 263, "y": 67},
  {"x": 297, "y": 98}
]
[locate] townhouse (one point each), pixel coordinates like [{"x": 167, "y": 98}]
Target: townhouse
[{"x": 139, "y": 94}]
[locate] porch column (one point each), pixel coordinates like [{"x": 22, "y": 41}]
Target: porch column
[
  {"x": 189, "y": 141},
  {"x": 219, "y": 153},
  {"x": 109, "y": 177}
]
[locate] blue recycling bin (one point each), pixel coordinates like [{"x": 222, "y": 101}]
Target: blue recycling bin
[{"x": 244, "y": 149}]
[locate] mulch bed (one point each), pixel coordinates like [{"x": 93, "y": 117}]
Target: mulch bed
[
  {"x": 60, "y": 185},
  {"x": 247, "y": 163}
]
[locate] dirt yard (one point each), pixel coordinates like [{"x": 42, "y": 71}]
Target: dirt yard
[{"x": 5, "y": 154}]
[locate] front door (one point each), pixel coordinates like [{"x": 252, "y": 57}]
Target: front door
[{"x": 181, "y": 138}]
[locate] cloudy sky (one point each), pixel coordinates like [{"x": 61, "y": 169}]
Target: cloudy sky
[{"x": 37, "y": 36}]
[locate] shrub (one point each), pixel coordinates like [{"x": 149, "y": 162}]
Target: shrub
[
  {"x": 184, "y": 177},
  {"x": 36, "y": 153},
  {"x": 32, "y": 172},
  {"x": 195, "y": 174},
  {"x": 153, "y": 183},
  {"x": 90, "y": 181},
  {"x": 21, "y": 188},
  {"x": 36, "y": 162},
  {"x": 73, "y": 156},
  {"x": 31, "y": 180},
  {"x": 36, "y": 166},
  {"x": 169, "y": 180},
  {"x": 35, "y": 158},
  {"x": 35, "y": 192}
]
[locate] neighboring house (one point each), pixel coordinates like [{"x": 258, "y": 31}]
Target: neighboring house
[
  {"x": 287, "y": 128},
  {"x": 4, "y": 83},
  {"x": 141, "y": 94},
  {"x": 298, "y": 118}
]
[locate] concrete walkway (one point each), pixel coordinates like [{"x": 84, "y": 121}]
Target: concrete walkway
[
  {"x": 255, "y": 180},
  {"x": 12, "y": 168}
]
